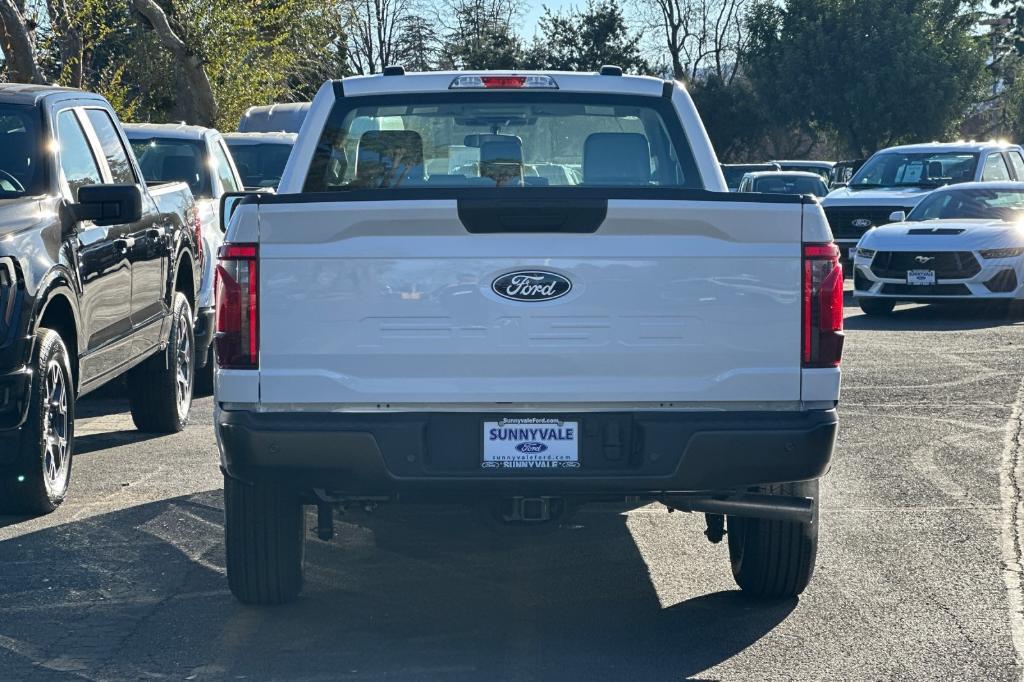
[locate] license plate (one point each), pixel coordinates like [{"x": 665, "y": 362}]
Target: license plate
[
  {"x": 921, "y": 277},
  {"x": 531, "y": 443},
  {"x": 852, "y": 253}
]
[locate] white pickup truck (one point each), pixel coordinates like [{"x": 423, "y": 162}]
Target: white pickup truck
[{"x": 428, "y": 311}]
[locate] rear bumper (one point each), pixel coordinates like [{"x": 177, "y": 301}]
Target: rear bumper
[
  {"x": 204, "y": 335},
  {"x": 439, "y": 453}
]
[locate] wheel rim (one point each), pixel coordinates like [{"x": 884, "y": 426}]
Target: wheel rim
[
  {"x": 184, "y": 368},
  {"x": 57, "y": 445}
]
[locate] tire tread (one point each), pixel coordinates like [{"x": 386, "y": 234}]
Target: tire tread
[
  {"x": 777, "y": 556},
  {"x": 263, "y": 542}
]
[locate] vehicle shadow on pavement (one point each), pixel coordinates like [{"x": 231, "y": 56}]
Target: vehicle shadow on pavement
[
  {"x": 398, "y": 594},
  {"x": 938, "y": 317}
]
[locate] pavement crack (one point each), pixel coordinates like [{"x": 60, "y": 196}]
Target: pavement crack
[{"x": 1013, "y": 515}]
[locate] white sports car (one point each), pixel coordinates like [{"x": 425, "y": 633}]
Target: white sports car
[{"x": 962, "y": 242}]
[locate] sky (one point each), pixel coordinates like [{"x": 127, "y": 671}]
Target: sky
[{"x": 536, "y": 10}]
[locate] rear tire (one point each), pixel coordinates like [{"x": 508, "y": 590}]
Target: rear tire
[
  {"x": 39, "y": 479},
  {"x": 876, "y": 306},
  {"x": 264, "y": 541},
  {"x": 160, "y": 389},
  {"x": 774, "y": 558}
]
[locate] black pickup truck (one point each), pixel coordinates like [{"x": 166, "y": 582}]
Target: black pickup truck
[{"x": 98, "y": 278}]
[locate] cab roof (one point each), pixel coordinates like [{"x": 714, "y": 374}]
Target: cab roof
[
  {"x": 174, "y": 131},
  {"x": 782, "y": 174},
  {"x": 441, "y": 81},
  {"x": 25, "y": 93},
  {"x": 972, "y": 147},
  {"x": 806, "y": 162},
  {"x": 261, "y": 138}
]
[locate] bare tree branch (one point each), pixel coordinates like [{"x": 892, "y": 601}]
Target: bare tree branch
[
  {"x": 197, "y": 98},
  {"x": 17, "y": 44}
]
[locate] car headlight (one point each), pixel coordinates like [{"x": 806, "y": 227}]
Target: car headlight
[
  {"x": 865, "y": 253},
  {"x": 1010, "y": 252}
]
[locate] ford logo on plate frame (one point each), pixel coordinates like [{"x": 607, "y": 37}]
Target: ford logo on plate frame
[
  {"x": 531, "y": 448},
  {"x": 531, "y": 285}
]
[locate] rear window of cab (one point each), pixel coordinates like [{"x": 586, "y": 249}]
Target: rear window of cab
[{"x": 501, "y": 140}]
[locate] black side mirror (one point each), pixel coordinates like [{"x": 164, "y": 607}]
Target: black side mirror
[
  {"x": 229, "y": 201},
  {"x": 108, "y": 204}
]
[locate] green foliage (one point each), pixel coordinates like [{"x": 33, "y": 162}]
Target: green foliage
[
  {"x": 732, "y": 116},
  {"x": 482, "y": 36},
  {"x": 874, "y": 72},
  {"x": 586, "y": 39}
]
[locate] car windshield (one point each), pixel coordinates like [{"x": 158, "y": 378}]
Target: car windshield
[
  {"x": 165, "y": 159},
  {"x": 502, "y": 140},
  {"x": 927, "y": 169},
  {"x": 988, "y": 204},
  {"x": 260, "y": 165},
  {"x": 782, "y": 184},
  {"x": 21, "y": 173}
]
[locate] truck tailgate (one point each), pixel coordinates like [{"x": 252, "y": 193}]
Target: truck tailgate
[{"x": 366, "y": 303}]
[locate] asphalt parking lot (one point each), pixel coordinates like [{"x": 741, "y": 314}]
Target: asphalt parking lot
[{"x": 918, "y": 574}]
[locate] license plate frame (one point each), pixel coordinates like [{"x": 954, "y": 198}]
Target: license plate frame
[
  {"x": 522, "y": 443},
  {"x": 921, "y": 278}
]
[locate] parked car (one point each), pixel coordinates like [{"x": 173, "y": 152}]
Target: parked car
[
  {"x": 822, "y": 168},
  {"x": 471, "y": 336},
  {"x": 896, "y": 179},
  {"x": 198, "y": 157},
  {"x": 274, "y": 118},
  {"x": 734, "y": 172},
  {"x": 784, "y": 182},
  {"x": 961, "y": 242},
  {"x": 260, "y": 157},
  {"x": 98, "y": 279},
  {"x": 843, "y": 171}
]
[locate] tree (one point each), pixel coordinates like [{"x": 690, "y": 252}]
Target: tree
[
  {"x": 584, "y": 40},
  {"x": 375, "y": 33},
  {"x": 418, "y": 45},
  {"x": 18, "y": 47},
  {"x": 732, "y": 116},
  {"x": 480, "y": 35},
  {"x": 702, "y": 37},
  {"x": 873, "y": 72},
  {"x": 197, "y": 99}
]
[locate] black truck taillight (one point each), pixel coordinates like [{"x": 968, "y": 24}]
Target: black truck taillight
[
  {"x": 822, "y": 306},
  {"x": 237, "y": 340}
]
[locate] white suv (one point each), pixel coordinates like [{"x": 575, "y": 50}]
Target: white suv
[
  {"x": 421, "y": 314},
  {"x": 896, "y": 179}
]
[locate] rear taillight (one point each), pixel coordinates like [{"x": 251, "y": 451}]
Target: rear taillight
[
  {"x": 822, "y": 306},
  {"x": 237, "y": 341}
]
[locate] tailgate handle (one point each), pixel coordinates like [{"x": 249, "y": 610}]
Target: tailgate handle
[{"x": 524, "y": 215}]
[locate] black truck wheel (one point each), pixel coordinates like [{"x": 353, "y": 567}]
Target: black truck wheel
[
  {"x": 264, "y": 541},
  {"x": 876, "y": 306},
  {"x": 774, "y": 558},
  {"x": 160, "y": 389},
  {"x": 39, "y": 479}
]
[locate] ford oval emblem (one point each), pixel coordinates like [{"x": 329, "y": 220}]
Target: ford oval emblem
[
  {"x": 531, "y": 448},
  {"x": 861, "y": 222},
  {"x": 531, "y": 285}
]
